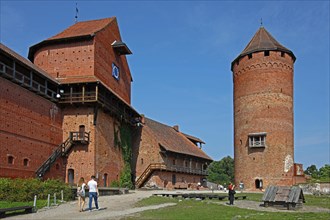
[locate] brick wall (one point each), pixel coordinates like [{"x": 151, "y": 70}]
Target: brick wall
[
  {"x": 263, "y": 102},
  {"x": 105, "y": 56},
  {"x": 30, "y": 130},
  {"x": 65, "y": 60}
]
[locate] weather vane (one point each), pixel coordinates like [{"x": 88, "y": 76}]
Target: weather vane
[
  {"x": 260, "y": 22},
  {"x": 76, "y": 17}
]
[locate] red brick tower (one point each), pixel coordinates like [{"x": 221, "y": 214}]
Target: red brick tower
[
  {"x": 88, "y": 60},
  {"x": 263, "y": 113}
]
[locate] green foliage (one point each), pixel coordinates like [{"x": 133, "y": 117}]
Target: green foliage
[
  {"x": 126, "y": 146},
  {"x": 221, "y": 172},
  {"x": 23, "y": 190},
  {"x": 324, "y": 172},
  {"x": 321, "y": 175},
  {"x": 312, "y": 171}
]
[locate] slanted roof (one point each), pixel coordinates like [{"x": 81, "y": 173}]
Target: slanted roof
[
  {"x": 83, "y": 28},
  {"x": 194, "y": 139},
  {"x": 285, "y": 194},
  {"x": 263, "y": 41},
  {"x": 79, "y": 31},
  {"x": 174, "y": 141}
]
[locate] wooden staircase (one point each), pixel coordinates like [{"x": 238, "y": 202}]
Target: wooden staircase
[
  {"x": 146, "y": 173},
  {"x": 63, "y": 150}
]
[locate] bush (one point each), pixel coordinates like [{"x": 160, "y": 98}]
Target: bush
[{"x": 23, "y": 190}]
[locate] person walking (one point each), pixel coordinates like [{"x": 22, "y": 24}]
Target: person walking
[
  {"x": 93, "y": 193},
  {"x": 81, "y": 193},
  {"x": 231, "y": 193}
]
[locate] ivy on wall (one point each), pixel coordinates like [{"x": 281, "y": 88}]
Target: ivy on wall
[{"x": 125, "y": 143}]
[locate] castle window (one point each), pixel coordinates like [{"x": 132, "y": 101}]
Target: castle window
[
  {"x": 257, "y": 139},
  {"x": 282, "y": 54},
  {"x": 266, "y": 53},
  {"x": 10, "y": 159},
  {"x": 173, "y": 161},
  {"x": 141, "y": 160},
  {"x": 250, "y": 55},
  {"x": 26, "y": 162}
]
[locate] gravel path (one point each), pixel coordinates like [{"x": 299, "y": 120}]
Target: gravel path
[{"x": 118, "y": 206}]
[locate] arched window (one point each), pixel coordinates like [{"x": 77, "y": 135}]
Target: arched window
[{"x": 10, "y": 159}]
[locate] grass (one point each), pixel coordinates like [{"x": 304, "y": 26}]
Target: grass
[
  {"x": 40, "y": 204},
  {"x": 206, "y": 209}
]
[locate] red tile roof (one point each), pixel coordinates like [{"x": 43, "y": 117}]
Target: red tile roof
[
  {"x": 83, "y": 28},
  {"x": 173, "y": 140}
]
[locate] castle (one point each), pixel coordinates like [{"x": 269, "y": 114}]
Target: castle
[
  {"x": 66, "y": 113},
  {"x": 263, "y": 114}
]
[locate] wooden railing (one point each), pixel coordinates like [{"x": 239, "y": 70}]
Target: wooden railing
[
  {"x": 162, "y": 166},
  {"x": 27, "y": 81},
  {"x": 148, "y": 171}
]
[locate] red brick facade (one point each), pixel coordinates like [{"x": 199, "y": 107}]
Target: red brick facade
[
  {"x": 263, "y": 106},
  {"x": 30, "y": 129},
  {"x": 70, "y": 92}
]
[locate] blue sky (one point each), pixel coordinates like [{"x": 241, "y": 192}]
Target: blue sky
[{"x": 182, "y": 51}]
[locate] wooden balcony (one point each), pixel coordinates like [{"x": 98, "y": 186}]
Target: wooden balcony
[{"x": 30, "y": 80}]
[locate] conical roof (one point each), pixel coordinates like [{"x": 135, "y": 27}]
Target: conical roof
[{"x": 263, "y": 41}]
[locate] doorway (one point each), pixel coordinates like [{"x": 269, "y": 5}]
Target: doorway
[
  {"x": 71, "y": 176},
  {"x": 81, "y": 132},
  {"x": 258, "y": 183}
]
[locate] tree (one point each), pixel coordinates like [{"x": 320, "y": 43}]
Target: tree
[
  {"x": 312, "y": 171},
  {"x": 221, "y": 172},
  {"x": 324, "y": 172}
]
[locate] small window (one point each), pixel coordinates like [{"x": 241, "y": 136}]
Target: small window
[
  {"x": 10, "y": 160},
  {"x": 141, "y": 160},
  {"x": 257, "y": 140},
  {"x": 186, "y": 163},
  {"x": 26, "y": 162},
  {"x": 266, "y": 53},
  {"x": 57, "y": 167},
  {"x": 282, "y": 54},
  {"x": 173, "y": 161},
  {"x": 250, "y": 55}
]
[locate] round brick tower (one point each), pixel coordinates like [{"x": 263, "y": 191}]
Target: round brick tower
[{"x": 263, "y": 113}]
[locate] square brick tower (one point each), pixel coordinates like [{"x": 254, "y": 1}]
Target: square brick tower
[
  {"x": 263, "y": 113},
  {"x": 88, "y": 59}
]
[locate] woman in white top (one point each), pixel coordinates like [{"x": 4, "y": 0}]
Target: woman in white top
[{"x": 81, "y": 194}]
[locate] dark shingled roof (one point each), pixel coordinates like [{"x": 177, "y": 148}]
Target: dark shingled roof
[
  {"x": 263, "y": 41},
  {"x": 174, "y": 141},
  {"x": 84, "y": 30}
]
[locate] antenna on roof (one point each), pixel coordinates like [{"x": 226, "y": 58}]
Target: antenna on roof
[
  {"x": 261, "y": 22},
  {"x": 76, "y": 17}
]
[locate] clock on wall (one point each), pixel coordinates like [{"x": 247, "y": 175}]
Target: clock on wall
[{"x": 115, "y": 71}]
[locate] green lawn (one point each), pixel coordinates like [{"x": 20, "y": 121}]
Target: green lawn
[{"x": 206, "y": 209}]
